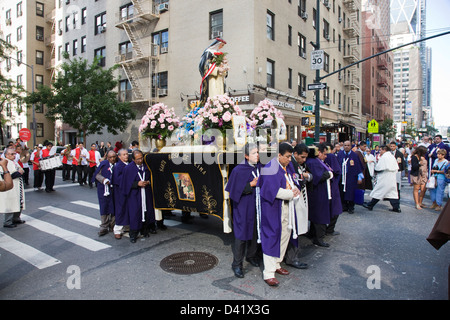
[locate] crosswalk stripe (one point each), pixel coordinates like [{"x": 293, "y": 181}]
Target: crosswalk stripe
[
  {"x": 54, "y": 187},
  {"x": 72, "y": 215},
  {"x": 37, "y": 258},
  {"x": 73, "y": 237},
  {"x": 87, "y": 204}
]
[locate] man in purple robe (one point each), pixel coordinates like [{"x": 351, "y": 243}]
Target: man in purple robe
[
  {"x": 102, "y": 177},
  {"x": 138, "y": 192},
  {"x": 277, "y": 191},
  {"x": 119, "y": 198},
  {"x": 320, "y": 195},
  {"x": 303, "y": 179},
  {"x": 336, "y": 203},
  {"x": 352, "y": 175},
  {"x": 242, "y": 189}
]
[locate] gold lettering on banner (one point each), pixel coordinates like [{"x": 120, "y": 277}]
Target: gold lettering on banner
[
  {"x": 200, "y": 168},
  {"x": 162, "y": 165}
]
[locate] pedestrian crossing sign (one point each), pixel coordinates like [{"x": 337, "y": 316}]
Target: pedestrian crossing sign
[{"x": 372, "y": 126}]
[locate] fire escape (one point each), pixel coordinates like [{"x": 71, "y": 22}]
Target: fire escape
[
  {"x": 140, "y": 59},
  {"x": 50, "y": 42},
  {"x": 352, "y": 53}
]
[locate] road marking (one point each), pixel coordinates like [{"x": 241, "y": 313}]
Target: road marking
[
  {"x": 73, "y": 237},
  {"x": 72, "y": 215},
  {"x": 87, "y": 204},
  {"x": 54, "y": 187},
  {"x": 37, "y": 258}
]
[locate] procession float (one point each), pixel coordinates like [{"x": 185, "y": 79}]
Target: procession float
[{"x": 194, "y": 155}]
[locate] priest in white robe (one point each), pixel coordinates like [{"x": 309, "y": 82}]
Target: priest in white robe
[{"x": 386, "y": 181}]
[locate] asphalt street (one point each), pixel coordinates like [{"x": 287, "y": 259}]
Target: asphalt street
[{"x": 57, "y": 255}]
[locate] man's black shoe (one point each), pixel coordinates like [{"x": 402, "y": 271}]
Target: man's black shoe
[
  {"x": 298, "y": 265},
  {"x": 395, "y": 210},
  {"x": 238, "y": 272},
  {"x": 366, "y": 205},
  {"x": 253, "y": 262},
  {"x": 320, "y": 243}
]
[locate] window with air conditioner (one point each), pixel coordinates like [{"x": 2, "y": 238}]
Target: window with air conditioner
[
  {"x": 100, "y": 23},
  {"x": 160, "y": 84},
  {"x": 160, "y": 41},
  {"x": 216, "y": 24}
]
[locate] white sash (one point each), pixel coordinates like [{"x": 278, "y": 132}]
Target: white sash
[
  {"x": 292, "y": 217},
  {"x": 258, "y": 208},
  {"x": 344, "y": 173},
  {"x": 107, "y": 186},
  {"x": 144, "y": 200}
]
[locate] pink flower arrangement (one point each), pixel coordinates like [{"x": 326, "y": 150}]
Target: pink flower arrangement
[
  {"x": 217, "y": 113},
  {"x": 263, "y": 112},
  {"x": 159, "y": 122}
]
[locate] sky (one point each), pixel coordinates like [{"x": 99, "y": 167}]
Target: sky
[{"x": 438, "y": 21}]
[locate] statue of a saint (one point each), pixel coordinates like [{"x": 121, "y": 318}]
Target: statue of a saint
[{"x": 213, "y": 68}]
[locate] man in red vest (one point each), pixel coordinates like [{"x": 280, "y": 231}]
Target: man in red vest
[
  {"x": 80, "y": 156},
  {"x": 49, "y": 174},
  {"x": 94, "y": 161},
  {"x": 38, "y": 175}
]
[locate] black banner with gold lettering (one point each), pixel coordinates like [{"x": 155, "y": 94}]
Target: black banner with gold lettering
[{"x": 187, "y": 182}]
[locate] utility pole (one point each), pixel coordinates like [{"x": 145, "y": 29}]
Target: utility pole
[{"x": 317, "y": 92}]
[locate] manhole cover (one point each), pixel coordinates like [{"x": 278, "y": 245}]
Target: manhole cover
[{"x": 189, "y": 262}]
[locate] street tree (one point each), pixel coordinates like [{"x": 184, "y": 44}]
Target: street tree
[
  {"x": 387, "y": 128},
  {"x": 84, "y": 96}
]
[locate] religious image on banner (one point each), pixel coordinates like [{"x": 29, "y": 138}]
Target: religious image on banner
[
  {"x": 185, "y": 187},
  {"x": 181, "y": 182}
]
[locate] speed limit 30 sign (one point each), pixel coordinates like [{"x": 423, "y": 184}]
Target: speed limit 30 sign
[{"x": 317, "y": 58}]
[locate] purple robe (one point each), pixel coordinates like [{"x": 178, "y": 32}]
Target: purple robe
[
  {"x": 336, "y": 204},
  {"x": 441, "y": 145},
  {"x": 272, "y": 178},
  {"x": 119, "y": 198},
  {"x": 106, "y": 203},
  {"x": 244, "y": 205},
  {"x": 134, "y": 199},
  {"x": 319, "y": 206},
  {"x": 354, "y": 168}
]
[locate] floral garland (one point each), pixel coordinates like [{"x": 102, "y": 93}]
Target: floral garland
[
  {"x": 188, "y": 124},
  {"x": 263, "y": 112},
  {"x": 217, "y": 113},
  {"x": 159, "y": 122}
]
